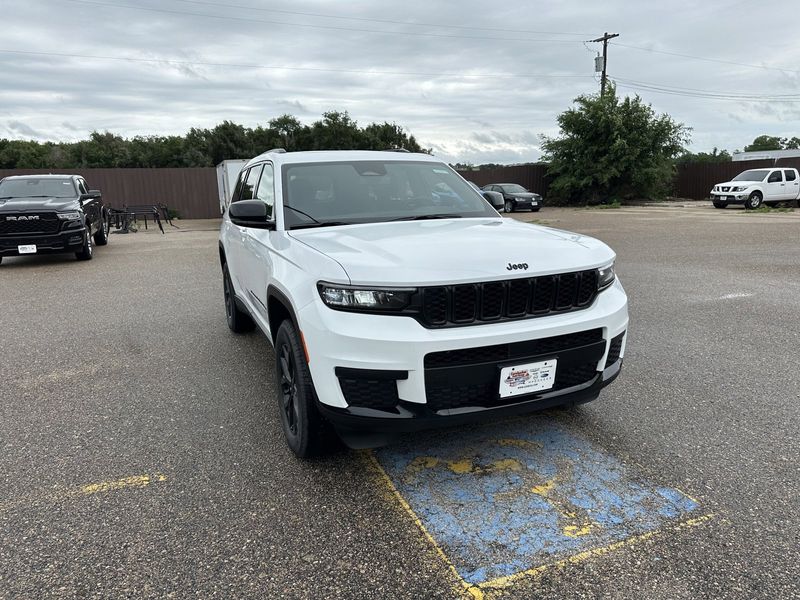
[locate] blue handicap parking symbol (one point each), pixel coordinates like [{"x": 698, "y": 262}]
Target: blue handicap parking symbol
[{"x": 513, "y": 496}]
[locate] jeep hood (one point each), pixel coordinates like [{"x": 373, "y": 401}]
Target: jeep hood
[
  {"x": 37, "y": 204},
  {"x": 411, "y": 253}
]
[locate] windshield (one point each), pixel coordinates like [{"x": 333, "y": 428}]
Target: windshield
[
  {"x": 513, "y": 188},
  {"x": 751, "y": 175},
  {"x": 342, "y": 193},
  {"x": 37, "y": 188}
]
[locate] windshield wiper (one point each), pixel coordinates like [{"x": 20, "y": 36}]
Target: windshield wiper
[
  {"x": 297, "y": 210},
  {"x": 427, "y": 217},
  {"x": 319, "y": 224}
]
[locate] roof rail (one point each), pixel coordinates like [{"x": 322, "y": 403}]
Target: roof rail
[
  {"x": 397, "y": 150},
  {"x": 277, "y": 150}
]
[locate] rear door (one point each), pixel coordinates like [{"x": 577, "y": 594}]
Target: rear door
[{"x": 792, "y": 183}]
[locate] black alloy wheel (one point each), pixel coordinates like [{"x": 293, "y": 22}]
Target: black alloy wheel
[
  {"x": 509, "y": 206},
  {"x": 307, "y": 433}
]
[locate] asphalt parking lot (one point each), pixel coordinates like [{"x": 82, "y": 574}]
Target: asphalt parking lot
[{"x": 141, "y": 454}]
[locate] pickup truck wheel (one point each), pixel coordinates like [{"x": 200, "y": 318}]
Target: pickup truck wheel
[
  {"x": 509, "y": 206},
  {"x": 238, "y": 321},
  {"x": 101, "y": 237},
  {"x": 86, "y": 252},
  {"x": 307, "y": 432},
  {"x": 720, "y": 204},
  {"x": 754, "y": 201}
]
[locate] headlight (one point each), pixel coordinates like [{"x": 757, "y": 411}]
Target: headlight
[
  {"x": 606, "y": 277},
  {"x": 69, "y": 216},
  {"x": 740, "y": 188},
  {"x": 345, "y": 297}
]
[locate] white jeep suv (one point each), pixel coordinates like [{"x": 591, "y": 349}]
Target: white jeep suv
[{"x": 397, "y": 298}]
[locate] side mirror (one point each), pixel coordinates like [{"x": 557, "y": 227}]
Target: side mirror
[
  {"x": 95, "y": 194},
  {"x": 250, "y": 213}
]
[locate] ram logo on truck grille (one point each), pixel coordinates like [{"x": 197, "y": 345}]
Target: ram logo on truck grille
[{"x": 23, "y": 218}]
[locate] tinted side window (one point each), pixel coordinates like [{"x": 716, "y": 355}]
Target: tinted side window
[
  {"x": 249, "y": 186},
  {"x": 266, "y": 189},
  {"x": 790, "y": 176},
  {"x": 82, "y": 187},
  {"x": 237, "y": 191},
  {"x": 775, "y": 177}
]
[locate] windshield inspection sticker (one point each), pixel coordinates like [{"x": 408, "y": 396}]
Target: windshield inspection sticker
[
  {"x": 516, "y": 498},
  {"x": 527, "y": 378}
]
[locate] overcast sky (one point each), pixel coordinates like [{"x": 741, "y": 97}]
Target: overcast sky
[{"x": 476, "y": 81}]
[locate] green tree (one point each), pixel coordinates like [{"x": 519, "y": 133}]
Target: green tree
[
  {"x": 765, "y": 142},
  {"x": 715, "y": 156},
  {"x": 610, "y": 147}
]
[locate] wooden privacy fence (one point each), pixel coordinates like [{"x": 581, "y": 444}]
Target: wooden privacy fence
[
  {"x": 692, "y": 180},
  {"x": 192, "y": 192}
]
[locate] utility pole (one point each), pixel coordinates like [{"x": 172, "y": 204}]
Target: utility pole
[{"x": 607, "y": 36}]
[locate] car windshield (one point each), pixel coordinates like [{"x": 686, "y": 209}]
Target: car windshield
[
  {"x": 342, "y": 193},
  {"x": 751, "y": 175},
  {"x": 37, "y": 188},
  {"x": 513, "y": 188}
]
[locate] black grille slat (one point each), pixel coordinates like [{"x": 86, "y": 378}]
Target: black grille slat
[
  {"x": 587, "y": 288},
  {"x": 519, "y": 293},
  {"x": 543, "y": 290},
  {"x": 434, "y": 305},
  {"x": 46, "y": 223},
  {"x": 465, "y": 303},
  {"x": 566, "y": 296},
  {"x": 492, "y": 300}
]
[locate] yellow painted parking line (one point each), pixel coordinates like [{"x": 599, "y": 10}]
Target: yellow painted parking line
[
  {"x": 100, "y": 487},
  {"x": 136, "y": 481}
]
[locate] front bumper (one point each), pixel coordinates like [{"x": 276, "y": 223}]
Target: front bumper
[
  {"x": 392, "y": 344},
  {"x": 68, "y": 240},
  {"x": 729, "y": 197}
]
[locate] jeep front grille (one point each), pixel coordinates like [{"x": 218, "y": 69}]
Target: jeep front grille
[{"x": 453, "y": 305}]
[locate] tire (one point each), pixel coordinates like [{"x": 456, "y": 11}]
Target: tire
[
  {"x": 101, "y": 237},
  {"x": 238, "y": 321},
  {"x": 87, "y": 251},
  {"x": 307, "y": 433},
  {"x": 720, "y": 204},
  {"x": 754, "y": 201},
  {"x": 508, "y": 206}
]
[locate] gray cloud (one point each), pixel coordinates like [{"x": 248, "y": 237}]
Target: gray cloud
[{"x": 473, "y": 95}]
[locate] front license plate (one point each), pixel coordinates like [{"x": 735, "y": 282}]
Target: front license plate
[
  {"x": 28, "y": 249},
  {"x": 527, "y": 378}
]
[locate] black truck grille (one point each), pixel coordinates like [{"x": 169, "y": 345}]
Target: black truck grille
[
  {"x": 453, "y": 305},
  {"x": 46, "y": 223}
]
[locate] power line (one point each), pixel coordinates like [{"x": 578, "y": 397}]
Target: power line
[
  {"x": 713, "y": 60},
  {"x": 387, "y": 21},
  {"x": 724, "y": 97},
  {"x": 308, "y": 25},
  {"x": 292, "y": 68},
  {"x": 658, "y": 86}
]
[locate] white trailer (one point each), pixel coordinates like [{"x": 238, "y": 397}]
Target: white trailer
[{"x": 227, "y": 174}]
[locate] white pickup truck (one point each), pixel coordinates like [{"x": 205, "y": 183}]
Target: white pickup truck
[{"x": 758, "y": 186}]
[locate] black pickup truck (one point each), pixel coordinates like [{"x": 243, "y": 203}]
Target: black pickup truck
[{"x": 50, "y": 213}]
